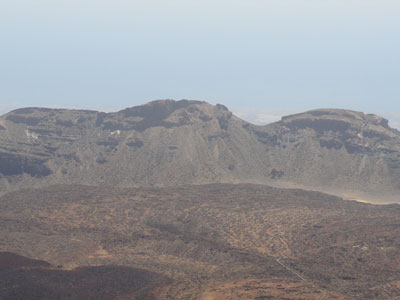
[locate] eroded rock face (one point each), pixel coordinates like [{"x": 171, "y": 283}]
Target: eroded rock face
[
  {"x": 11, "y": 165},
  {"x": 170, "y": 142},
  {"x": 335, "y": 148},
  {"x": 344, "y": 123}
]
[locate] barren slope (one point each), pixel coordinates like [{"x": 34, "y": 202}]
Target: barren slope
[{"x": 216, "y": 241}]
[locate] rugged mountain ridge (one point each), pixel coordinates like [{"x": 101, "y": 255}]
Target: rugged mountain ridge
[
  {"x": 339, "y": 150},
  {"x": 170, "y": 143}
]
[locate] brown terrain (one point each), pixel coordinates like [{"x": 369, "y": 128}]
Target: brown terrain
[
  {"x": 182, "y": 200},
  {"x": 206, "y": 242}
]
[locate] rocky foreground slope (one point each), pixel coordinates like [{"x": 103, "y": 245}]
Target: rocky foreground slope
[
  {"x": 169, "y": 143},
  {"x": 204, "y": 242}
]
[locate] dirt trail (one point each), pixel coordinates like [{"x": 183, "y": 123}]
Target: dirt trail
[{"x": 298, "y": 275}]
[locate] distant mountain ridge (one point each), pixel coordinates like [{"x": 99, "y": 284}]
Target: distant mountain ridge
[{"x": 169, "y": 143}]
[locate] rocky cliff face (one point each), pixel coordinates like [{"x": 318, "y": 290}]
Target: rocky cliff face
[
  {"x": 170, "y": 142},
  {"x": 338, "y": 150}
]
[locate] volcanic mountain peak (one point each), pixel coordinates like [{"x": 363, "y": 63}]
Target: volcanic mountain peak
[
  {"x": 350, "y": 116},
  {"x": 340, "y": 120},
  {"x": 164, "y": 113},
  {"x": 170, "y": 113},
  {"x": 167, "y": 142}
]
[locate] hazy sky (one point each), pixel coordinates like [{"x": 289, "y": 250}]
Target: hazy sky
[{"x": 261, "y": 58}]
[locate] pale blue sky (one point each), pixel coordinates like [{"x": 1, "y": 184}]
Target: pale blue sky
[{"x": 251, "y": 55}]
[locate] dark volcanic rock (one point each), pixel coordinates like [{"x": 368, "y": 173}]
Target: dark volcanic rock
[
  {"x": 12, "y": 260},
  {"x": 12, "y": 164},
  {"x": 155, "y": 113},
  {"x": 22, "y": 278},
  {"x": 24, "y": 120}
]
